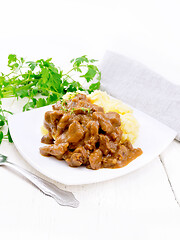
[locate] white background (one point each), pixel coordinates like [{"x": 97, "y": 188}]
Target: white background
[{"x": 137, "y": 206}]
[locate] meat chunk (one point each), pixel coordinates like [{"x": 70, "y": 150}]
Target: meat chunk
[
  {"x": 95, "y": 159},
  {"x": 55, "y": 116},
  {"x": 63, "y": 124},
  {"x": 107, "y": 146},
  {"x": 57, "y": 106},
  {"x": 128, "y": 145},
  {"x": 84, "y": 153},
  {"x": 109, "y": 162},
  {"x": 114, "y": 118},
  {"x": 123, "y": 152},
  {"x": 96, "y": 108},
  {"x": 75, "y": 160},
  {"x": 79, "y": 97},
  {"x": 75, "y": 132},
  {"x": 105, "y": 123},
  {"x": 48, "y": 139},
  {"x": 47, "y": 116},
  {"x": 103, "y": 139},
  {"x": 54, "y": 150},
  {"x": 47, "y": 121},
  {"x": 116, "y": 135},
  {"x": 91, "y": 135},
  {"x": 62, "y": 138}
]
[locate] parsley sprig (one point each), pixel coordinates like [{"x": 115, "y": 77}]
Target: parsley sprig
[{"x": 42, "y": 83}]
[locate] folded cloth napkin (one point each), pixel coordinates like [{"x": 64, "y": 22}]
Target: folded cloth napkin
[{"x": 135, "y": 84}]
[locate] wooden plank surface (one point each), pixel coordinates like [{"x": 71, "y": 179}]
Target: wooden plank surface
[
  {"x": 140, "y": 205},
  {"x": 171, "y": 160}
]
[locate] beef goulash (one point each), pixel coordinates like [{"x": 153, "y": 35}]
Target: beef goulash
[{"x": 81, "y": 133}]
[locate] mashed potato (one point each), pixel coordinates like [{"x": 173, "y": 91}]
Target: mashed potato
[
  {"x": 129, "y": 124},
  {"x": 44, "y": 131}
]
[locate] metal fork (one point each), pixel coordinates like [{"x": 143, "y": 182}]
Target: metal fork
[{"x": 62, "y": 197}]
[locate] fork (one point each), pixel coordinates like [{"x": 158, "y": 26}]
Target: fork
[{"x": 62, "y": 197}]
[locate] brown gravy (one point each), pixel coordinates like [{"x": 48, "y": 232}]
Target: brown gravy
[{"x": 81, "y": 133}]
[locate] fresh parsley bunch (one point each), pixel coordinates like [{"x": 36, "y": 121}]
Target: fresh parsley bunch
[{"x": 42, "y": 83}]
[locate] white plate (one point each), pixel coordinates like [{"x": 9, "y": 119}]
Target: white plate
[{"x": 25, "y": 129}]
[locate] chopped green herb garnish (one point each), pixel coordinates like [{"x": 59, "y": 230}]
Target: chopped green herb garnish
[{"x": 82, "y": 108}]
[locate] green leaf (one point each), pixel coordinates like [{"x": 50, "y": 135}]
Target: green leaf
[
  {"x": 40, "y": 102},
  {"x": 78, "y": 61},
  {"x": 44, "y": 93},
  {"x": 53, "y": 68},
  {"x": 2, "y": 123},
  {"x": 93, "y": 67},
  {"x": 54, "y": 82},
  {"x": 13, "y": 62},
  {"x": 32, "y": 65},
  {"x": 12, "y": 58},
  {"x": 34, "y": 100},
  {"x": 99, "y": 76},
  {"x": 78, "y": 69},
  {"x": 29, "y": 105},
  {"x": 22, "y": 93},
  {"x": 94, "y": 86},
  {"x": 1, "y": 136},
  {"x": 53, "y": 98},
  {"x": 93, "y": 60},
  {"x": 2, "y": 118},
  {"x": 90, "y": 74},
  {"x": 45, "y": 75},
  {"x": 74, "y": 86},
  {"x": 9, "y": 136},
  {"x": 35, "y": 91},
  {"x": 22, "y": 60},
  {"x": 1, "y": 95},
  {"x": 14, "y": 66},
  {"x": 2, "y": 79}
]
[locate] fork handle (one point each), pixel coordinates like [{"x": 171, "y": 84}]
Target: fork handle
[{"x": 62, "y": 197}]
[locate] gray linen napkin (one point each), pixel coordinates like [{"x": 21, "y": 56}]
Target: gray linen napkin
[{"x": 135, "y": 84}]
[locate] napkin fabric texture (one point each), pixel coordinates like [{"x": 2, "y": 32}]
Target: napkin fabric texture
[{"x": 136, "y": 85}]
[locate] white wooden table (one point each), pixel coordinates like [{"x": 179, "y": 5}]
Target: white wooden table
[{"x": 142, "y": 205}]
